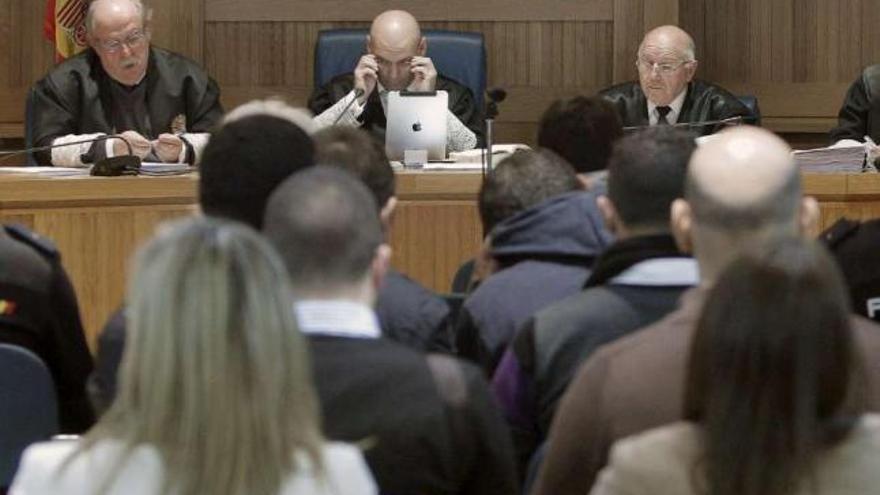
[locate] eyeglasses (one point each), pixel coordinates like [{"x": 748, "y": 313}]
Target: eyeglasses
[
  {"x": 134, "y": 40},
  {"x": 664, "y": 68}
]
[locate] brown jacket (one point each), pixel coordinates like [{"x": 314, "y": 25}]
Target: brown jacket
[
  {"x": 661, "y": 461},
  {"x": 637, "y": 383}
]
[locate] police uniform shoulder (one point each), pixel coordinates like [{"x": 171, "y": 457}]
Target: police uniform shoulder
[{"x": 42, "y": 245}]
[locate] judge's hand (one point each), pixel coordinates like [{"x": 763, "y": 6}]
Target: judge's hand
[
  {"x": 424, "y": 74},
  {"x": 168, "y": 148},
  {"x": 140, "y": 146},
  {"x": 365, "y": 75}
]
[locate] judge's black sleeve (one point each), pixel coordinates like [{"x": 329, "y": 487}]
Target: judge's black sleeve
[{"x": 860, "y": 114}]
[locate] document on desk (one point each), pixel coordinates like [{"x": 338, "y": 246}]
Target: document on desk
[
  {"x": 833, "y": 159},
  {"x": 44, "y": 171},
  {"x": 473, "y": 159}
]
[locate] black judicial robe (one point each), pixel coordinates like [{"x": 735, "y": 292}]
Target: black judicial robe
[
  {"x": 461, "y": 104},
  {"x": 860, "y": 114},
  {"x": 703, "y": 102},
  {"x": 75, "y": 98}
]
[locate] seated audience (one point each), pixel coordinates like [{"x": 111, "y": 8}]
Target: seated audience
[
  {"x": 427, "y": 421},
  {"x": 38, "y": 311},
  {"x": 215, "y": 392},
  {"x": 260, "y": 144},
  {"x": 859, "y": 115},
  {"x": 742, "y": 190},
  {"x": 666, "y": 92},
  {"x": 770, "y": 370},
  {"x": 545, "y": 234},
  {"x": 635, "y": 282},
  {"x": 408, "y": 313},
  {"x": 394, "y": 61},
  {"x": 582, "y": 130}
]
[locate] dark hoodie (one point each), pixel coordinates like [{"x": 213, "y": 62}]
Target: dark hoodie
[{"x": 545, "y": 252}]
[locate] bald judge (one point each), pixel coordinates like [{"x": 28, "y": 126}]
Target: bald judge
[
  {"x": 666, "y": 92},
  {"x": 161, "y": 103},
  {"x": 395, "y": 60}
]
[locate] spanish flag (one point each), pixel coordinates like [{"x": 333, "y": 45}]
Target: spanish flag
[{"x": 65, "y": 26}]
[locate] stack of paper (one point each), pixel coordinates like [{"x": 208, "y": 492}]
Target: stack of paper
[
  {"x": 44, "y": 171},
  {"x": 834, "y": 159},
  {"x": 473, "y": 159}
]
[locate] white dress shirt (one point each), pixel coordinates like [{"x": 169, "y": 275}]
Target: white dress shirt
[{"x": 672, "y": 116}]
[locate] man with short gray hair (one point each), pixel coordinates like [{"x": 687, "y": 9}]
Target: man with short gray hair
[
  {"x": 666, "y": 92},
  {"x": 427, "y": 420},
  {"x": 162, "y": 103}
]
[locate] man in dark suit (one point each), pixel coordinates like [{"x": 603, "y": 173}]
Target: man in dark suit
[
  {"x": 395, "y": 61},
  {"x": 666, "y": 92},
  {"x": 427, "y": 421}
]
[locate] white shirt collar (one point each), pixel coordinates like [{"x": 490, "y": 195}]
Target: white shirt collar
[
  {"x": 672, "y": 116},
  {"x": 658, "y": 272},
  {"x": 337, "y": 318}
]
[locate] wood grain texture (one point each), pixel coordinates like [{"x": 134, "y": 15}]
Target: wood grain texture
[
  {"x": 365, "y": 10},
  {"x": 798, "y": 56}
]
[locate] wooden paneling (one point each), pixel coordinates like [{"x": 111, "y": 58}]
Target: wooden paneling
[
  {"x": 365, "y": 10},
  {"x": 798, "y": 56}
]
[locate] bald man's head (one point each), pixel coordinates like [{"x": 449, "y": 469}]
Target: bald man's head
[
  {"x": 395, "y": 38},
  {"x": 743, "y": 190},
  {"x": 666, "y": 63},
  {"x": 743, "y": 180}
]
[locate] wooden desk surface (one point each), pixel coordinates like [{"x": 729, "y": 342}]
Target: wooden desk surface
[{"x": 99, "y": 222}]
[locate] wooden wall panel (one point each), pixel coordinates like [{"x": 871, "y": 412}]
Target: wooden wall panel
[
  {"x": 798, "y": 56},
  {"x": 365, "y": 10}
]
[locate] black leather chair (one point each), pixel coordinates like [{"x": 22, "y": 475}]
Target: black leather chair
[
  {"x": 751, "y": 102},
  {"x": 28, "y": 408},
  {"x": 457, "y": 55}
]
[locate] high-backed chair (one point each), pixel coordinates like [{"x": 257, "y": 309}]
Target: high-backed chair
[
  {"x": 28, "y": 408},
  {"x": 457, "y": 55},
  {"x": 751, "y": 102}
]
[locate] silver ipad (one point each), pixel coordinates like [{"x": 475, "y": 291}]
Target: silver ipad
[{"x": 416, "y": 121}]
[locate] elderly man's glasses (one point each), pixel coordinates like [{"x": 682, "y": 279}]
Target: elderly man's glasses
[
  {"x": 664, "y": 68},
  {"x": 134, "y": 40}
]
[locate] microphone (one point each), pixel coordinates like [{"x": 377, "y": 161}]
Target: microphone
[
  {"x": 738, "y": 119},
  {"x": 358, "y": 92},
  {"x": 117, "y": 165},
  {"x": 494, "y": 96}
]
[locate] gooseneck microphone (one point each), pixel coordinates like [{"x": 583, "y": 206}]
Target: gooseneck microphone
[
  {"x": 117, "y": 165},
  {"x": 494, "y": 96},
  {"x": 358, "y": 92}
]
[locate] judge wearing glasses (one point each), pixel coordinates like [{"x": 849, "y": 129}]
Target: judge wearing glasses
[
  {"x": 666, "y": 92},
  {"x": 161, "y": 103}
]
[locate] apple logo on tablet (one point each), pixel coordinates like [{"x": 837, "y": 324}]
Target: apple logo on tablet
[{"x": 417, "y": 127}]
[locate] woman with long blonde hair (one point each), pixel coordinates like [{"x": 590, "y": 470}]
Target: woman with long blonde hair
[{"x": 215, "y": 389}]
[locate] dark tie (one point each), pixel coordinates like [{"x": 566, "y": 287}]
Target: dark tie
[{"x": 663, "y": 112}]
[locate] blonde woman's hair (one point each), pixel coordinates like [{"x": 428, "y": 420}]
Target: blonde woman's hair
[{"x": 215, "y": 373}]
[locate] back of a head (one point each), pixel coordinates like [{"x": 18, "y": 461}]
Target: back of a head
[
  {"x": 744, "y": 185},
  {"x": 522, "y": 180},
  {"x": 772, "y": 368},
  {"x": 210, "y": 334},
  {"x": 356, "y": 151},
  {"x": 581, "y": 130},
  {"x": 244, "y": 162},
  {"x": 646, "y": 173},
  {"x": 325, "y": 224}
]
